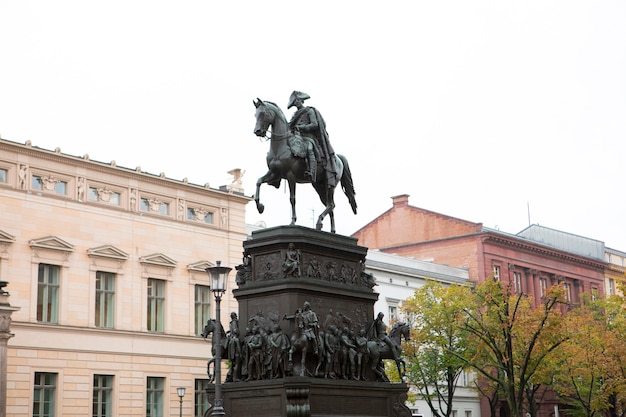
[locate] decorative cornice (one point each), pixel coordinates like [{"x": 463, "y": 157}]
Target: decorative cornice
[
  {"x": 98, "y": 166},
  {"x": 108, "y": 251},
  {"x": 200, "y": 266},
  {"x": 542, "y": 250},
  {"x": 6, "y": 238},
  {"x": 158, "y": 259},
  {"x": 52, "y": 243}
]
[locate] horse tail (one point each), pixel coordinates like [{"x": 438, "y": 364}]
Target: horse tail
[{"x": 346, "y": 183}]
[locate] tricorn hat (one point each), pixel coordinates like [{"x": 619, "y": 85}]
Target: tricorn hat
[{"x": 297, "y": 95}]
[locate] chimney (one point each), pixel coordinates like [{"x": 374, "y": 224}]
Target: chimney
[{"x": 400, "y": 200}]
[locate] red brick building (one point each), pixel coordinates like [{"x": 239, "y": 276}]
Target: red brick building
[{"x": 531, "y": 260}]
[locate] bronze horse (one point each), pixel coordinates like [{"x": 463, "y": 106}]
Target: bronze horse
[
  {"x": 283, "y": 164},
  {"x": 211, "y": 328},
  {"x": 300, "y": 342},
  {"x": 379, "y": 350}
]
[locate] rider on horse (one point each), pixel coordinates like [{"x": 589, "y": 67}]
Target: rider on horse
[
  {"x": 309, "y": 122},
  {"x": 380, "y": 333}
]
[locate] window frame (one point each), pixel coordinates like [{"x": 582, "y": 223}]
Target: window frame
[
  {"x": 105, "y": 300},
  {"x": 202, "y": 308},
  {"x": 98, "y": 390},
  {"x": 47, "y": 306},
  {"x": 155, "y": 311},
  {"x": 155, "y": 392},
  {"x": 45, "y": 393}
]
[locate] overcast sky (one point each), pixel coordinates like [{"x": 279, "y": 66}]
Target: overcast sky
[{"x": 497, "y": 112}]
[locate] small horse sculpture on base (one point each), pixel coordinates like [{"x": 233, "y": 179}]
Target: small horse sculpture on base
[
  {"x": 283, "y": 164},
  {"x": 300, "y": 342},
  {"x": 380, "y": 350},
  {"x": 211, "y": 328}
]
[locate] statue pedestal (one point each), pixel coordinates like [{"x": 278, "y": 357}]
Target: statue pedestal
[
  {"x": 314, "y": 397},
  {"x": 285, "y": 269}
]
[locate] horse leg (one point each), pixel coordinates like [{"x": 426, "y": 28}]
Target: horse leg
[
  {"x": 292, "y": 199},
  {"x": 326, "y": 196},
  {"x": 303, "y": 362},
  {"x": 208, "y": 370},
  {"x": 290, "y": 364},
  {"x": 257, "y": 196},
  {"x": 401, "y": 369}
]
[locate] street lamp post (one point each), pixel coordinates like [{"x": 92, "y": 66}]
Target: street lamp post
[
  {"x": 181, "y": 394},
  {"x": 219, "y": 279}
]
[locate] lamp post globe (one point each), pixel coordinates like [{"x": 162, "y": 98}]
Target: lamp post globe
[{"x": 181, "y": 394}]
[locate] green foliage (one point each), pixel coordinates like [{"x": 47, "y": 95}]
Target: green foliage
[
  {"x": 435, "y": 353},
  {"x": 511, "y": 341},
  {"x": 518, "y": 347}
]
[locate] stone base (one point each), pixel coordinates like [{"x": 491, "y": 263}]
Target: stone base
[{"x": 312, "y": 397}]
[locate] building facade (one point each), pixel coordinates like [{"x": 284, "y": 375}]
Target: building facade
[
  {"x": 107, "y": 267},
  {"x": 530, "y": 261},
  {"x": 526, "y": 261},
  {"x": 397, "y": 278}
]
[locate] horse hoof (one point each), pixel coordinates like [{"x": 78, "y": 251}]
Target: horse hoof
[
  {"x": 260, "y": 208},
  {"x": 318, "y": 226}
]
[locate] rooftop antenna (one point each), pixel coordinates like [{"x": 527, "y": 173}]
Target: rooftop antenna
[{"x": 528, "y": 210}]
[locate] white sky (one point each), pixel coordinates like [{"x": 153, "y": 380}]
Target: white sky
[{"x": 477, "y": 109}]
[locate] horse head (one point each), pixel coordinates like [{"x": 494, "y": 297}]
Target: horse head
[
  {"x": 264, "y": 117},
  {"x": 268, "y": 114},
  {"x": 208, "y": 328},
  {"x": 400, "y": 330}
]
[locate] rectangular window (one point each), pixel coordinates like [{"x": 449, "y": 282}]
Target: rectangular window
[
  {"x": 191, "y": 214},
  {"x": 201, "y": 400},
  {"x": 543, "y": 287},
  {"x": 496, "y": 272},
  {"x": 102, "y": 396},
  {"x": 208, "y": 218},
  {"x": 36, "y": 182},
  {"x": 468, "y": 413},
  {"x": 517, "y": 282},
  {"x": 105, "y": 299},
  {"x": 611, "y": 287},
  {"x": 164, "y": 208},
  {"x": 144, "y": 204},
  {"x": 48, "y": 293},
  {"x": 202, "y": 307},
  {"x": 156, "y": 305},
  {"x": 3, "y": 175},
  {"x": 393, "y": 314},
  {"x": 115, "y": 198},
  {"x": 154, "y": 397},
  {"x": 60, "y": 188},
  {"x": 93, "y": 194},
  {"x": 44, "y": 394},
  {"x": 568, "y": 292}
]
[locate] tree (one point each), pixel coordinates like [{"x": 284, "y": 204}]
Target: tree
[
  {"x": 583, "y": 366},
  {"x": 511, "y": 341},
  {"x": 435, "y": 353},
  {"x": 613, "y": 313}
]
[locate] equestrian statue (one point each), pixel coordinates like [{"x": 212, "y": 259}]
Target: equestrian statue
[{"x": 300, "y": 152}]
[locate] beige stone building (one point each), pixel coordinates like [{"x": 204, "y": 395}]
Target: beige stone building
[{"x": 107, "y": 266}]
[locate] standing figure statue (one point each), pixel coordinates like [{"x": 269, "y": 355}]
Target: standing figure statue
[
  {"x": 233, "y": 349},
  {"x": 309, "y": 123},
  {"x": 311, "y": 325}
]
